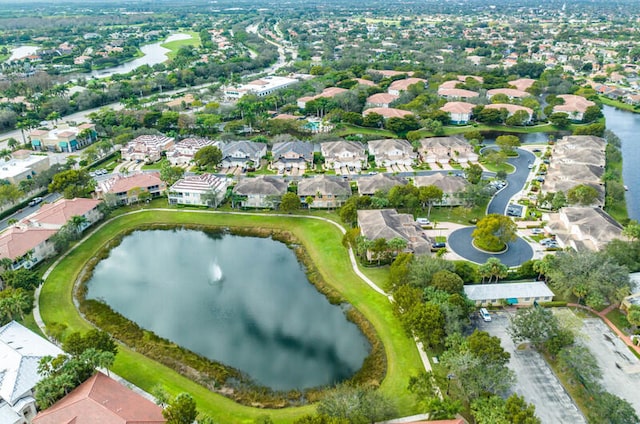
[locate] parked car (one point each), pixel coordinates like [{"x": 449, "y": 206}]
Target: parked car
[
  {"x": 439, "y": 245},
  {"x": 35, "y": 201},
  {"x": 484, "y": 314},
  {"x": 423, "y": 221},
  {"x": 537, "y": 231}
]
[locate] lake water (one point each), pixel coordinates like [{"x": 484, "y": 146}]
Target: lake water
[
  {"x": 242, "y": 301},
  {"x": 153, "y": 54},
  {"x": 626, "y": 125},
  {"x": 22, "y": 52}
]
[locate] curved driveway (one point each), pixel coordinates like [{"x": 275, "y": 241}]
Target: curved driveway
[
  {"x": 519, "y": 250},
  {"x": 460, "y": 242},
  {"x": 515, "y": 182}
]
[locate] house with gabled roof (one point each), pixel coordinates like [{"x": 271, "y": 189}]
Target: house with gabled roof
[
  {"x": 201, "y": 190},
  {"x": 183, "y": 151},
  {"x": 442, "y": 150},
  {"x": 398, "y": 86},
  {"x": 381, "y": 100},
  {"x": 521, "y": 294},
  {"x": 389, "y": 224},
  {"x": 326, "y": 191},
  {"x": 388, "y": 152},
  {"x": 20, "y": 353},
  {"x": 146, "y": 148},
  {"x": 522, "y": 84},
  {"x": 459, "y": 112},
  {"x": 102, "y": 400},
  {"x": 55, "y": 215},
  {"x": 26, "y": 246},
  {"x": 263, "y": 191},
  {"x": 370, "y": 184},
  {"x": 127, "y": 188},
  {"x": 292, "y": 157},
  {"x": 511, "y": 93},
  {"x": 450, "y": 185},
  {"x": 243, "y": 154},
  {"x": 456, "y": 93},
  {"x": 344, "y": 154},
  {"x": 511, "y": 109},
  {"x": 388, "y": 112},
  {"x": 574, "y": 106},
  {"x": 583, "y": 228},
  {"x": 327, "y": 93}
]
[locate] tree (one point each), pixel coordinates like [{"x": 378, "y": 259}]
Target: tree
[
  {"x": 423, "y": 268},
  {"x": 73, "y": 183},
  {"x": 611, "y": 409},
  {"x": 447, "y": 281},
  {"x": 290, "y": 202},
  {"x": 507, "y": 143},
  {"x": 582, "y": 194},
  {"x": 209, "y": 157},
  {"x": 77, "y": 223},
  {"x": 21, "y": 279},
  {"x": 430, "y": 195},
  {"x": 474, "y": 173},
  {"x": 493, "y": 232},
  {"x": 427, "y": 323},
  {"x": 357, "y": 405},
  {"x": 181, "y": 410},
  {"x": 495, "y": 410},
  {"x": 559, "y": 200},
  {"x": 593, "y": 113},
  {"x": 76, "y": 343},
  {"x": 633, "y": 315},
  {"x": 487, "y": 348},
  {"x": 475, "y": 377},
  {"x": 560, "y": 120},
  {"x": 170, "y": 174},
  {"x": 14, "y": 303},
  {"x": 535, "y": 325}
]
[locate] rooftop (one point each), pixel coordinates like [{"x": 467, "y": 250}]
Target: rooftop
[{"x": 507, "y": 290}]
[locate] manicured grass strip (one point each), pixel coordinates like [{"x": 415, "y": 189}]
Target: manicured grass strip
[
  {"x": 174, "y": 46},
  {"x": 323, "y": 243},
  {"x": 618, "y": 104}
]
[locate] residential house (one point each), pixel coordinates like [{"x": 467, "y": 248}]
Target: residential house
[
  {"x": 388, "y": 112},
  {"x": 456, "y": 93},
  {"x": 326, "y": 191},
  {"x": 388, "y": 152},
  {"x": 101, "y": 399},
  {"x": 398, "y": 86},
  {"x": 20, "y": 353},
  {"x": 327, "y": 93},
  {"x": 522, "y": 84},
  {"x": 26, "y": 246},
  {"x": 442, "y": 150},
  {"x": 386, "y": 73},
  {"x": 243, "y": 154},
  {"x": 201, "y": 190},
  {"x": 127, "y": 188},
  {"x": 260, "y": 87},
  {"x": 263, "y": 191},
  {"x": 181, "y": 102},
  {"x": 511, "y": 109},
  {"x": 521, "y": 294},
  {"x": 389, "y": 224},
  {"x": 22, "y": 166},
  {"x": 57, "y": 214},
  {"x": 344, "y": 155},
  {"x": 370, "y": 184},
  {"x": 183, "y": 151},
  {"x": 64, "y": 138},
  {"x": 365, "y": 82},
  {"x": 460, "y": 112},
  {"x": 146, "y": 148},
  {"x": 583, "y": 228},
  {"x": 573, "y": 106},
  {"x": 381, "y": 100},
  {"x": 511, "y": 93},
  {"x": 450, "y": 185},
  {"x": 292, "y": 157}
]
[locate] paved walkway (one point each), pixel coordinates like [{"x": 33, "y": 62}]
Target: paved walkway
[{"x": 603, "y": 315}]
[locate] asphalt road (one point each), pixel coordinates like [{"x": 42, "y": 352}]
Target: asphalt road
[
  {"x": 518, "y": 252},
  {"x": 534, "y": 378},
  {"x": 515, "y": 182},
  {"x": 28, "y": 210}
]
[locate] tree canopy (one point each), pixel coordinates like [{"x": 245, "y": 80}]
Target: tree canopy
[{"x": 493, "y": 232}]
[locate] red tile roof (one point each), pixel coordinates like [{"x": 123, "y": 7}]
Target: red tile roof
[
  {"x": 61, "y": 212},
  {"x": 142, "y": 180},
  {"x": 404, "y": 84},
  {"x": 101, "y": 400},
  {"x": 387, "y": 112},
  {"x": 15, "y": 242}
]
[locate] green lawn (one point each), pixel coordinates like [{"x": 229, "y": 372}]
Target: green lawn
[
  {"x": 507, "y": 167},
  {"x": 323, "y": 243},
  {"x": 618, "y": 319},
  {"x": 619, "y": 105},
  {"x": 174, "y": 46},
  {"x": 347, "y": 129}
]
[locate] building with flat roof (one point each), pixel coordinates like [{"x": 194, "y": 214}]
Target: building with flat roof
[
  {"x": 63, "y": 138},
  {"x": 260, "y": 87},
  {"x": 22, "y": 166},
  {"x": 511, "y": 293}
]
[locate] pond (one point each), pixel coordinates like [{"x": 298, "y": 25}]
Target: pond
[
  {"x": 242, "y": 301},
  {"x": 152, "y": 55}
]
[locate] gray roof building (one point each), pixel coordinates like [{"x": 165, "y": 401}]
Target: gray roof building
[
  {"x": 380, "y": 182},
  {"x": 512, "y": 293},
  {"x": 389, "y": 224}
]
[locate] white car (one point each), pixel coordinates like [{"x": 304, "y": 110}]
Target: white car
[{"x": 537, "y": 231}]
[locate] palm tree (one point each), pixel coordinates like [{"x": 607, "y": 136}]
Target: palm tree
[
  {"x": 76, "y": 223},
  {"x": 12, "y": 143}
]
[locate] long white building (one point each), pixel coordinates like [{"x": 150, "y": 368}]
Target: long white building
[{"x": 260, "y": 87}]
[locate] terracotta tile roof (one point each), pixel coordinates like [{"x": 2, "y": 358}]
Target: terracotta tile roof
[
  {"x": 456, "y": 92},
  {"x": 388, "y": 112},
  {"x": 458, "y": 107},
  {"x": 573, "y": 103},
  {"x": 124, "y": 184},
  {"x": 522, "y": 83},
  {"x": 510, "y": 108},
  {"x": 510, "y": 92},
  {"x": 15, "y": 242},
  {"x": 102, "y": 400},
  {"x": 365, "y": 82},
  {"x": 381, "y": 98},
  {"x": 404, "y": 84},
  {"x": 60, "y": 212},
  {"x": 447, "y": 85}
]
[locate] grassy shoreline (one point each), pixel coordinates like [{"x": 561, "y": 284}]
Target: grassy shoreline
[{"x": 323, "y": 243}]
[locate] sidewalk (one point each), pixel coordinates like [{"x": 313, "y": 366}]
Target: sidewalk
[{"x": 606, "y": 320}]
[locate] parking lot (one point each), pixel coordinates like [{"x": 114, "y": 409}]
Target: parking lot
[
  {"x": 620, "y": 368},
  {"x": 535, "y": 379}
]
